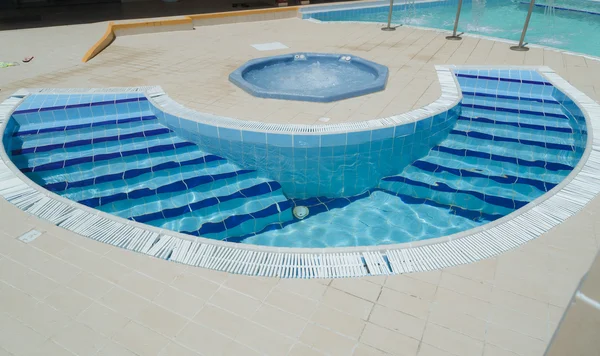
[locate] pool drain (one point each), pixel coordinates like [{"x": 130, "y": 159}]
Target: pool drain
[{"x": 300, "y": 212}]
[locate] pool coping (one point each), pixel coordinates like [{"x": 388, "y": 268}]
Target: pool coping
[
  {"x": 525, "y": 224},
  {"x": 379, "y": 84}
]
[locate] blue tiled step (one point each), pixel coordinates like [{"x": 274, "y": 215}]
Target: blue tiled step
[
  {"x": 489, "y": 127},
  {"x": 87, "y": 133},
  {"x": 264, "y": 217},
  {"x": 508, "y": 149},
  {"x": 131, "y": 173},
  {"x": 424, "y": 173},
  {"x": 517, "y": 105},
  {"x": 466, "y": 152},
  {"x": 171, "y": 200},
  {"x": 492, "y": 168},
  {"x": 117, "y": 165},
  {"x": 534, "y": 127},
  {"x": 104, "y": 157},
  {"x": 445, "y": 194},
  {"x": 153, "y": 180},
  {"x": 473, "y": 173},
  {"x": 505, "y": 79},
  {"x": 487, "y": 93},
  {"x": 99, "y": 152},
  {"x": 512, "y": 117},
  {"x": 545, "y": 113},
  {"x": 487, "y": 137},
  {"x": 68, "y": 125},
  {"x": 93, "y": 141},
  {"x": 79, "y": 105},
  {"x": 180, "y": 185},
  {"x": 246, "y": 193}
]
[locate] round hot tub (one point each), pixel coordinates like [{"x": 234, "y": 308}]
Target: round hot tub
[{"x": 310, "y": 77}]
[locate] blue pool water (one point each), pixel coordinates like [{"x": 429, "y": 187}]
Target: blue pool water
[
  {"x": 514, "y": 138},
  {"x": 576, "y": 31}
]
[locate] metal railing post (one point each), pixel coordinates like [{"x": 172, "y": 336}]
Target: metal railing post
[
  {"x": 454, "y": 36},
  {"x": 389, "y": 24},
  {"x": 521, "y": 47}
]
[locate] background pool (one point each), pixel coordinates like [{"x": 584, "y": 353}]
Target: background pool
[{"x": 576, "y": 31}]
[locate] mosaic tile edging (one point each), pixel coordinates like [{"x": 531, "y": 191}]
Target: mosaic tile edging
[{"x": 570, "y": 196}]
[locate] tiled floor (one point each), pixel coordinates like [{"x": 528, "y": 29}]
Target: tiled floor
[{"x": 64, "y": 294}]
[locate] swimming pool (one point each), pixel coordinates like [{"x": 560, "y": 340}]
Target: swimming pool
[
  {"x": 512, "y": 138},
  {"x": 569, "y": 28}
]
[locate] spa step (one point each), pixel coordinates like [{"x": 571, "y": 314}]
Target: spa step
[
  {"x": 123, "y": 165},
  {"x": 109, "y": 150},
  {"x": 164, "y": 182},
  {"x": 69, "y": 125},
  {"x": 491, "y": 167}
]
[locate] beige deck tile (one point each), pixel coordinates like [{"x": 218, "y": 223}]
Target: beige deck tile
[
  {"x": 257, "y": 288},
  {"x": 102, "y": 319},
  {"x": 491, "y": 350},
  {"x": 513, "y": 341},
  {"x": 174, "y": 349},
  {"x": 411, "y": 286},
  {"x": 161, "y": 320},
  {"x": 178, "y": 302},
  {"x": 114, "y": 349},
  {"x": 388, "y": 341},
  {"x": 68, "y": 301},
  {"x": 80, "y": 339},
  {"x": 26, "y": 280},
  {"x": 220, "y": 320},
  {"x": 282, "y": 321},
  {"x": 399, "y": 322},
  {"x": 124, "y": 302},
  {"x": 338, "y": 321},
  {"x": 304, "y": 350},
  {"x": 140, "y": 339},
  {"x": 138, "y": 283},
  {"x": 405, "y": 303},
  {"x": 49, "y": 347},
  {"x": 365, "y": 350},
  {"x": 360, "y": 288},
  {"x": 476, "y": 289},
  {"x": 292, "y": 302},
  {"x": 90, "y": 285},
  {"x": 264, "y": 340},
  {"x": 451, "y": 341},
  {"x": 459, "y": 321},
  {"x": 428, "y": 350},
  {"x": 195, "y": 285},
  {"x": 347, "y": 303},
  {"x": 327, "y": 341},
  {"x": 235, "y": 302}
]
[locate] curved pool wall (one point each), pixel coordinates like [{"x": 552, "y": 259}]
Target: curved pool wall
[
  {"x": 336, "y": 91},
  {"x": 320, "y": 164}
]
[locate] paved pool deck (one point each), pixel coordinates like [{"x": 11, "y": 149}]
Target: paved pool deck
[{"x": 63, "y": 294}]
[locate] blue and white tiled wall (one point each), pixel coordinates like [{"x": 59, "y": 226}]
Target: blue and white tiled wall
[{"x": 332, "y": 165}]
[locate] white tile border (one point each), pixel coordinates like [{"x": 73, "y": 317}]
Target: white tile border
[{"x": 488, "y": 240}]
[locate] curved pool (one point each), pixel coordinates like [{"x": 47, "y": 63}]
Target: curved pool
[
  {"x": 313, "y": 77},
  {"x": 512, "y": 138}
]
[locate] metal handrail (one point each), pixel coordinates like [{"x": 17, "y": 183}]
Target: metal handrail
[
  {"x": 456, "y": 37},
  {"x": 521, "y": 47},
  {"x": 389, "y": 23}
]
